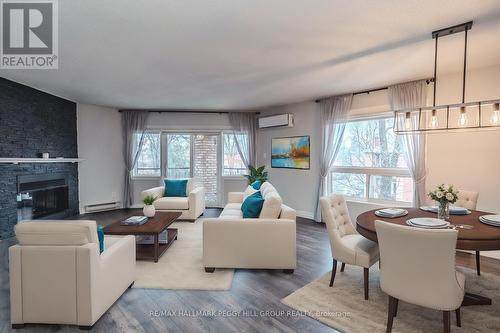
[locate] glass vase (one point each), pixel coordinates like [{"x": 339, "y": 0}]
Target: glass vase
[{"x": 444, "y": 211}]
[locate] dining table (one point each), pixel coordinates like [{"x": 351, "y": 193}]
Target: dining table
[{"x": 472, "y": 235}]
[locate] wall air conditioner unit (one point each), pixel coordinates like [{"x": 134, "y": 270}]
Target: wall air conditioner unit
[
  {"x": 101, "y": 207},
  {"x": 279, "y": 120}
]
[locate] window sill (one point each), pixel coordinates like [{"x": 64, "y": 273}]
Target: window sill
[
  {"x": 146, "y": 177},
  {"x": 385, "y": 203}
]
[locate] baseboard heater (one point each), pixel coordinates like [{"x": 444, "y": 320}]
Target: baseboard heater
[{"x": 100, "y": 207}]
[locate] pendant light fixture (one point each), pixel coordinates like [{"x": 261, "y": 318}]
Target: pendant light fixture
[{"x": 473, "y": 115}]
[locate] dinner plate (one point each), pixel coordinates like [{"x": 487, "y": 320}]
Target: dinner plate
[
  {"x": 453, "y": 210},
  {"x": 446, "y": 225},
  {"x": 493, "y": 224},
  {"x": 491, "y": 218},
  {"x": 391, "y": 212},
  {"x": 428, "y": 222}
]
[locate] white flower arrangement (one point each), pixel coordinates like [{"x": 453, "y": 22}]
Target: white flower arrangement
[{"x": 444, "y": 194}]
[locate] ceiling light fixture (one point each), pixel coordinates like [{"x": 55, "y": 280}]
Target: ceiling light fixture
[
  {"x": 464, "y": 115},
  {"x": 434, "y": 120},
  {"x": 495, "y": 115}
]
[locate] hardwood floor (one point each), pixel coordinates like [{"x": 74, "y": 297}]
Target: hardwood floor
[
  {"x": 252, "y": 305},
  {"x": 253, "y": 291}
]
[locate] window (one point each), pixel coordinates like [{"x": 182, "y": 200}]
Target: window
[
  {"x": 178, "y": 155},
  {"x": 233, "y": 164},
  {"x": 370, "y": 163},
  {"x": 149, "y": 160}
]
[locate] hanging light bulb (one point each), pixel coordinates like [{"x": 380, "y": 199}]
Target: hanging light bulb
[
  {"x": 462, "y": 119},
  {"x": 495, "y": 116},
  {"x": 434, "y": 120},
  {"x": 408, "y": 121}
]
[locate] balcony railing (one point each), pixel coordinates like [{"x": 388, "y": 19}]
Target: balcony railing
[{"x": 178, "y": 172}]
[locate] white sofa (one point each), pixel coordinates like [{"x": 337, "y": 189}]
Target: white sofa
[
  {"x": 191, "y": 206},
  {"x": 267, "y": 242},
  {"x": 58, "y": 276}
]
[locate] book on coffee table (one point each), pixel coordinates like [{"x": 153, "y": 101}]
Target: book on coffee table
[{"x": 135, "y": 220}]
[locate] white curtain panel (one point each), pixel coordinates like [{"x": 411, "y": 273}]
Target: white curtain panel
[
  {"x": 133, "y": 122},
  {"x": 244, "y": 122},
  {"x": 334, "y": 111},
  {"x": 412, "y": 95}
]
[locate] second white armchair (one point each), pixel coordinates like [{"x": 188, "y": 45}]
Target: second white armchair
[{"x": 191, "y": 206}]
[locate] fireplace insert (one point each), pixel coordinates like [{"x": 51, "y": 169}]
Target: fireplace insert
[{"x": 42, "y": 196}]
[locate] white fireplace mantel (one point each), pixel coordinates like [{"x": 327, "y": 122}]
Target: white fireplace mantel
[{"x": 17, "y": 160}]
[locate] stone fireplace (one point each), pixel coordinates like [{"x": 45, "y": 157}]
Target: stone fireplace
[{"x": 33, "y": 122}]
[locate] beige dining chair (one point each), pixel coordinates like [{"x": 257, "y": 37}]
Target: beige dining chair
[
  {"x": 468, "y": 199},
  {"x": 418, "y": 267},
  {"x": 346, "y": 244}
]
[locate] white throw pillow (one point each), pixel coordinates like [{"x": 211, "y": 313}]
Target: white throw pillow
[
  {"x": 189, "y": 186},
  {"x": 271, "y": 208},
  {"x": 265, "y": 185},
  {"x": 248, "y": 192}
]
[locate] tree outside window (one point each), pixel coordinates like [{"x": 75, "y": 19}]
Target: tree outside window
[
  {"x": 233, "y": 164},
  {"x": 149, "y": 159},
  {"x": 370, "y": 163}
]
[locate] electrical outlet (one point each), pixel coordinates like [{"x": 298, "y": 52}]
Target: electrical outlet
[
  {"x": 114, "y": 196},
  {"x": 265, "y": 155}
]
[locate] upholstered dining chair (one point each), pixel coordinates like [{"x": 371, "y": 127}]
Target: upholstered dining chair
[
  {"x": 418, "y": 267},
  {"x": 468, "y": 199},
  {"x": 346, "y": 244}
]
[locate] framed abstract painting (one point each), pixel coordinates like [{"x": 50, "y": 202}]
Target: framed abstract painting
[{"x": 291, "y": 152}]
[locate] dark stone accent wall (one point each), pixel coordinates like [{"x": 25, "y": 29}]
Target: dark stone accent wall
[{"x": 33, "y": 122}]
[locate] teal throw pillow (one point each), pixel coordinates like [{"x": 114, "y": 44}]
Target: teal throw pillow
[
  {"x": 256, "y": 184},
  {"x": 175, "y": 187},
  {"x": 252, "y": 205},
  {"x": 100, "y": 235}
]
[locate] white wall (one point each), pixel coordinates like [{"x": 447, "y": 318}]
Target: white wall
[
  {"x": 469, "y": 160},
  {"x": 188, "y": 121},
  {"x": 297, "y": 187},
  {"x": 100, "y": 144}
]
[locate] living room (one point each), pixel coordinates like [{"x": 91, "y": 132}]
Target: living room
[{"x": 179, "y": 166}]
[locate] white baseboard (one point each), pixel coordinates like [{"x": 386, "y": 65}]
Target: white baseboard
[
  {"x": 304, "y": 214},
  {"x": 300, "y": 213}
]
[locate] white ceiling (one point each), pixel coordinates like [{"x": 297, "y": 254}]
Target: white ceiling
[{"x": 247, "y": 54}]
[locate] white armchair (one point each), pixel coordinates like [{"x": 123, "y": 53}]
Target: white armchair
[
  {"x": 418, "y": 267},
  {"x": 191, "y": 206},
  {"x": 347, "y": 245},
  {"x": 58, "y": 276}
]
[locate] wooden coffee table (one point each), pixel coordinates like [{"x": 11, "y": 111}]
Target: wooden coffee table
[{"x": 153, "y": 227}]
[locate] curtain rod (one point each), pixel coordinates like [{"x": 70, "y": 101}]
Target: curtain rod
[
  {"x": 371, "y": 90},
  {"x": 186, "y": 111}
]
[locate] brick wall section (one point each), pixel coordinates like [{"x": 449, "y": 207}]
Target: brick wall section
[
  {"x": 205, "y": 166},
  {"x": 33, "y": 122}
]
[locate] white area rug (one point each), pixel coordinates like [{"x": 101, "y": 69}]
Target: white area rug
[
  {"x": 343, "y": 306},
  {"x": 181, "y": 266}
]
